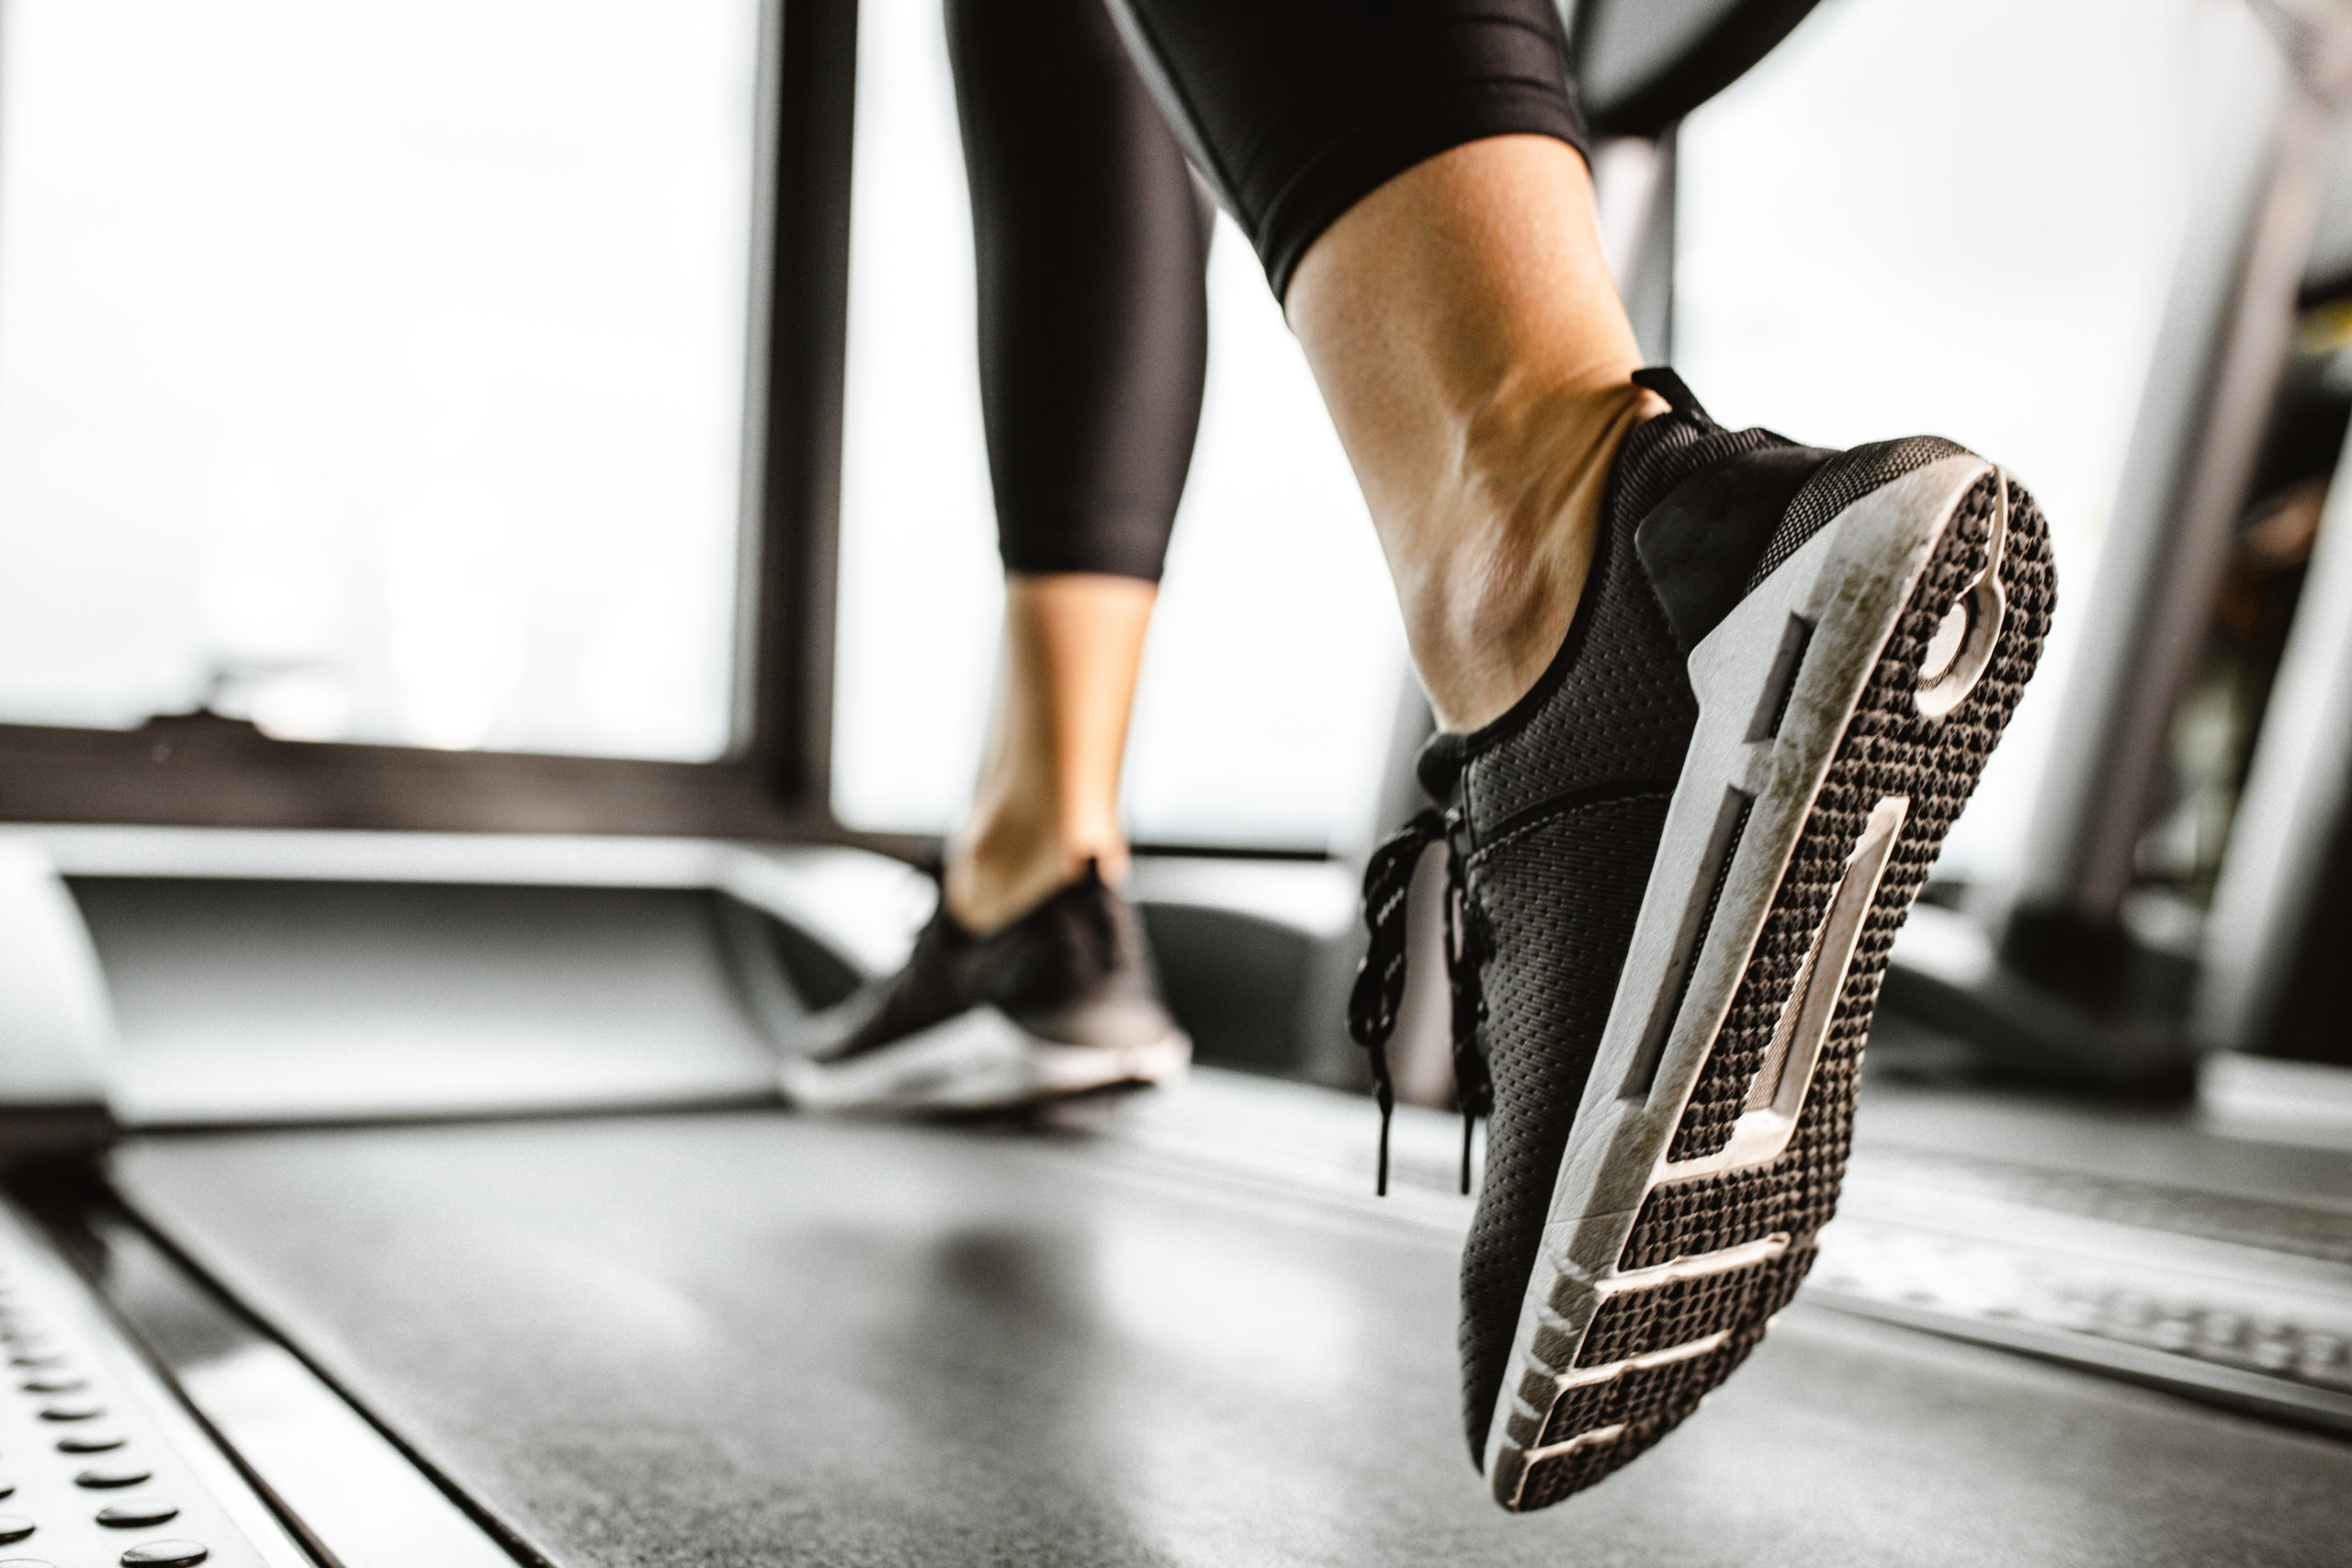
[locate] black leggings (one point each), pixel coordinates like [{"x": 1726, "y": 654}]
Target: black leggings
[{"x": 1092, "y": 238}]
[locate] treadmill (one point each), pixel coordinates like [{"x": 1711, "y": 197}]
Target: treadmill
[{"x": 395, "y": 1173}]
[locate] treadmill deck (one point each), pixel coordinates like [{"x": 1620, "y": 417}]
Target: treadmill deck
[{"x": 750, "y": 1336}]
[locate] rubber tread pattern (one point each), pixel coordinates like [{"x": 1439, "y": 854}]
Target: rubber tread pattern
[
  {"x": 1796, "y": 1193},
  {"x": 1888, "y": 749},
  {"x": 1635, "y": 1323},
  {"x": 1645, "y": 1396},
  {"x": 1549, "y": 1480}
]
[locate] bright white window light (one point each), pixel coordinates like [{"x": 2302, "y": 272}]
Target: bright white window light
[
  {"x": 376, "y": 371},
  {"x": 1956, "y": 218}
]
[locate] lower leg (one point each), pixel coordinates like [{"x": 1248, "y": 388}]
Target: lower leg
[
  {"x": 1468, "y": 339},
  {"x": 1048, "y": 795},
  {"x": 1092, "y": 253}
]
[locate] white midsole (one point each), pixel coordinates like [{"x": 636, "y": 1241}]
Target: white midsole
[{"x": 978, "y": 1060}]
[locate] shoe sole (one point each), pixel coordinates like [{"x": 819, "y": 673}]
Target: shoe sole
[
  {"x": 1846, "y": 706},
  {"x": 979, "y": 1060}
]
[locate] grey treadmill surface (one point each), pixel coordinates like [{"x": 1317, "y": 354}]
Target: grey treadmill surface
[
  {"x": 2177, "y": 1146},
  {"x": 745, "y": 1337}
]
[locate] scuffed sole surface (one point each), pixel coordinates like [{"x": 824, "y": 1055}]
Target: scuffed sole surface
[{"x": 1718, "y": 1243}]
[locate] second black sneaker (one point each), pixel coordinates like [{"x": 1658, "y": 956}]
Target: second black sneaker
[
  {"x": 1062, "y": 1002},
  {"x": 1680, "y": 861}
]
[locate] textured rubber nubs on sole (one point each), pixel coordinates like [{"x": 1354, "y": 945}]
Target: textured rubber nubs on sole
[{"x": 1846, "y": 708}]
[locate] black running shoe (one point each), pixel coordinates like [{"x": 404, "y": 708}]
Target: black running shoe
[
  {"x": 1062, "y": 1002},
  {"x": 1680, "y": 860}
]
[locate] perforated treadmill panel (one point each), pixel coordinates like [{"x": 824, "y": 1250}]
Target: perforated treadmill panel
[{"x": 755, "y": 1338}]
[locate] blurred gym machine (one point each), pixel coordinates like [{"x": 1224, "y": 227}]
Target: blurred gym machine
[
  {"x": 2104, "y": 967},
  {"x": 449, "y": 1219}
]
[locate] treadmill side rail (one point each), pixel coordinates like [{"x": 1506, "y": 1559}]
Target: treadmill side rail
[
  {"x": 357, "y": 1500},
  {"x": 104, "y": 1460},
  {"x": 56, "y": 1031}
]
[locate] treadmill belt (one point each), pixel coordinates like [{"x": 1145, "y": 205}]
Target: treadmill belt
[{"x": 752, "y": 1337}]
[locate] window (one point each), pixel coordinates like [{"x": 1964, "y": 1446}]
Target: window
[{"x": 377, "y": 372}]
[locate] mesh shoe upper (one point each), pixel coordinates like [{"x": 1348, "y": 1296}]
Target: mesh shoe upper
[{"x": 1075, "y": 970}]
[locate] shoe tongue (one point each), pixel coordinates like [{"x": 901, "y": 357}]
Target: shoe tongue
[{"x": 1662, "y": 379}]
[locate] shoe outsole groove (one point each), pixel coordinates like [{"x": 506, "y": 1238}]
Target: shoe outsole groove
[
  {"x": 1602, "y": 1391},
  {"x": 1635, "y": 1323},
  {"x": 1641, "y": 1397}
]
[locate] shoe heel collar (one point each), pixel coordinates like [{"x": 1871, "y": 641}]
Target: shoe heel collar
[
  {"x": 1700, "y": 545},
  {"x": 1661, "y": 379},
  {"x": 1439, "y": 765}
]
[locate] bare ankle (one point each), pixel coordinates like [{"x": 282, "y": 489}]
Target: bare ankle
[
  {"x": 996, "y": 872},
  {"x": 1488, "y": 609}
]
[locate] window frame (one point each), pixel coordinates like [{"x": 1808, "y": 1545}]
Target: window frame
[{"x": 203, "y": 769}]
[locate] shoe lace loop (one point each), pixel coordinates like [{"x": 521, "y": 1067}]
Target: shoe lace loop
[{"x": 1379, "y": 991}]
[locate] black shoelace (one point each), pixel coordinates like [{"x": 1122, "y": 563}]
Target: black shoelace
[{"x": 1379, "y": 989}]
